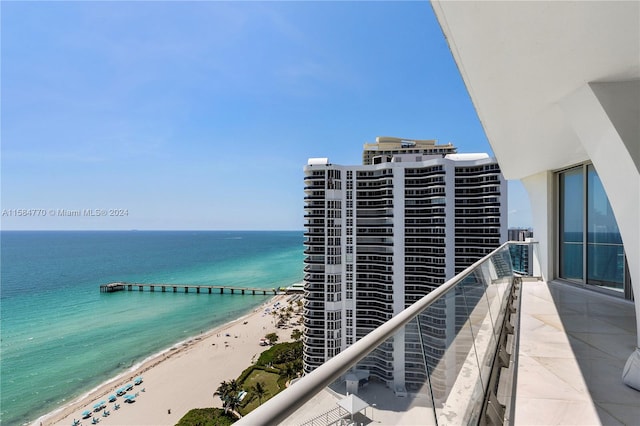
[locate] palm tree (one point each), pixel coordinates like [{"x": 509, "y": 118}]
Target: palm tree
[
  {"x": 281, "y": 318},
  {"x": 289, "y": 370},
  {"x": 296, "y": 334},
  {"x": 228, "y": 393},
  {"x": 259, "y": 390},
  {"x": 223, "y": 393},
  {"x": 234, "y": 404},
  {"x": 233, "y": 384}
]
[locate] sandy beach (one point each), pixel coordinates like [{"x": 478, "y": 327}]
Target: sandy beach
[{"x": 184, "y": 377}]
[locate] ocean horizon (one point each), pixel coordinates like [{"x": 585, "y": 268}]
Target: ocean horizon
[{"x": 61, "y": 337}]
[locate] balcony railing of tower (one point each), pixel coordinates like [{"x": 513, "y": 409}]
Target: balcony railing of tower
[{"x": 454, "y": 347}]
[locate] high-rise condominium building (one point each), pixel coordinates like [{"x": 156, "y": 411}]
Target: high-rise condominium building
[{"x": 382, "y": 235}]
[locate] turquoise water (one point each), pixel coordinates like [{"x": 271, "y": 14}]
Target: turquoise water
[{"x": 61, "y": 337}]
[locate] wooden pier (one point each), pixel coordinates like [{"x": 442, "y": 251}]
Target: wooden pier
[{"x": 122, "y": 286}]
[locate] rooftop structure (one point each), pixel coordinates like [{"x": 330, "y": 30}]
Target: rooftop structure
[{"x": 386, "y": 147}]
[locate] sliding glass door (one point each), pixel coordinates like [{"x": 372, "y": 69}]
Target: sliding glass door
[
  {"x": 605, "y": 254},
  {"x": 572, "y": 224},
  {"x": 590, "y": 245}
]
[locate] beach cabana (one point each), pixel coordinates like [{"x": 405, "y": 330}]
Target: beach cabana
[
  {"x": 129, "y": 398},
  {"x": 97, "y": 407},
  {"x": 138, "y": 380},
  {"x": 112, "y": 398},
  {"x": 352, "y": 404},
  {"x": 121, "y": 391},
  {"x": 86, "y": 414},
  {"x": 128, "y": 386}
]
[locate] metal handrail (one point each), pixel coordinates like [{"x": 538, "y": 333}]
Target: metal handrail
[{"x": 286, "y": 402}]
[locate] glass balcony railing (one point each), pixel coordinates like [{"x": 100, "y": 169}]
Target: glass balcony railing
[
  {"x": 437, "y": 362},
  {"x": 524, "y": 257}
]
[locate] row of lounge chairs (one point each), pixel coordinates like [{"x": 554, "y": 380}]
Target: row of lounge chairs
[{"x": 102, "y": 405}]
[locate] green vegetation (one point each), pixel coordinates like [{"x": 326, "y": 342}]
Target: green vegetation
[
  {"x": 229, "y": 394},
  {"x": 281, "y": 354},
  {"x": 259, "y": 390},
  {"x": 272, "y": 338},
  {"x": 269, "y": 382},
  {"x": 263, "y": 380},
  {"x": 296, "y": 334},
  {"x": 206, "y": 417}
]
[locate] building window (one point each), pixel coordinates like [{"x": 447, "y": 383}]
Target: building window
[
  {"x": 571, "y": 224},
  {"x": 605, "y": 253},
  {"x": 590, "y": 244}
]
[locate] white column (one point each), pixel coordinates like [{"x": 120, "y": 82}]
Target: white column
[{"x": 539, "y": 187}]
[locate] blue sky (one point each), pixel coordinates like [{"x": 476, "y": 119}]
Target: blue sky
[{"x": 201, "y": 115}]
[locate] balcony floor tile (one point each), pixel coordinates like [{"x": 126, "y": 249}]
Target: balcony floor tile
[{"x": 573, "y": 346}]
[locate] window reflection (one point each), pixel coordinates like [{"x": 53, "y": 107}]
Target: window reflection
[
  {"x": 605, "y": 255},
  {"x": 604, "y": 251},
  {"x": 571, "y": 224}
]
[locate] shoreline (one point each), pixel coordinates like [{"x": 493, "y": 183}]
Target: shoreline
[{"x": 180, "y": 362}]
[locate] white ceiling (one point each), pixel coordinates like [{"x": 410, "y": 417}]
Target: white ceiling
[{"x": 519, "y": 59}]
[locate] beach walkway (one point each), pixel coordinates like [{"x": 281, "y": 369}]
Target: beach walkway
[{"x": 123, "y": 286}]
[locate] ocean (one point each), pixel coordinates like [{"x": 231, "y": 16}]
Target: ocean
[{"x": 61, "y": 337}]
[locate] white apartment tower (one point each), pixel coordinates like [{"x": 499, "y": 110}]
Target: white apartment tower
[{"x": 382, "y": 235}]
